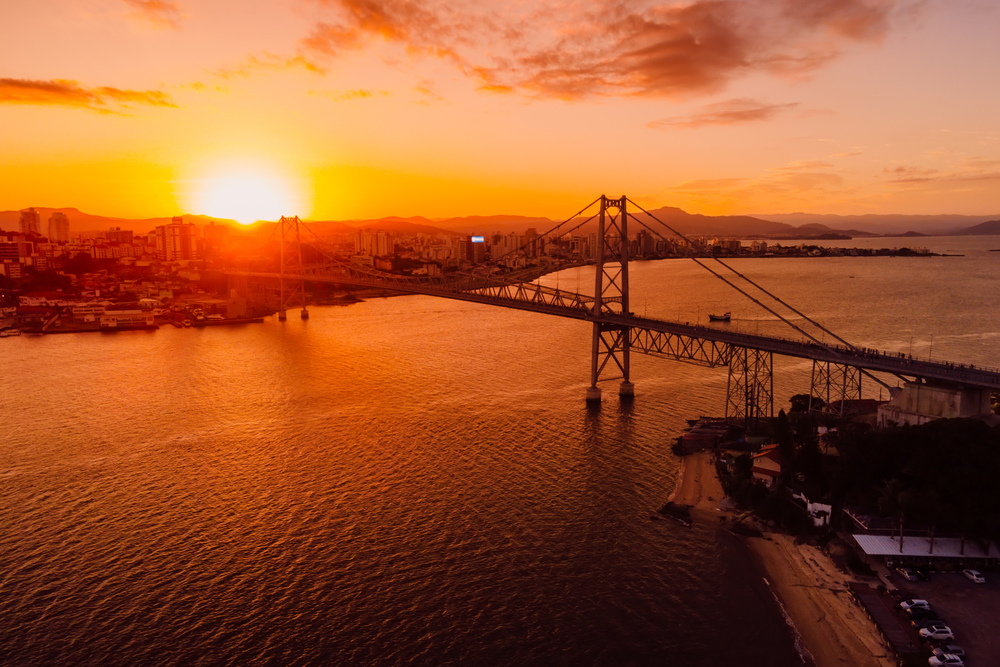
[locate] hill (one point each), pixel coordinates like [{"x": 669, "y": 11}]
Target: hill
[
  {"x": 989, "y": 228},
  {"x": 886, "y": 225}
]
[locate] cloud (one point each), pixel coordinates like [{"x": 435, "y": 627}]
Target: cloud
[
  {"x": 731, "y": 112},
  {"x": 65, "y": 93},
  {"x": 975, "y": 170},
  {"x": 611, "y": 47},
  {"x": 158, "y": 13},
  {"x": 268, "y": 62},
  {"x": 343, "y": 95}
]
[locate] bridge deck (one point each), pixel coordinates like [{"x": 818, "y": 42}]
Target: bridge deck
[{"x": 575, "y": 306}]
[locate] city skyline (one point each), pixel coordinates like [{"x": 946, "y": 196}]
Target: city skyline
[{"x": 342, "y": 110}]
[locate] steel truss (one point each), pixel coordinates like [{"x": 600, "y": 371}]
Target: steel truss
[
  {"x": 834, "y": 382},
  {"x": 611, "y": 341},
  {"x": 750, "y": 388},
  {"x": 292, "y": 290},
  {"x": 681, "y": 348}
]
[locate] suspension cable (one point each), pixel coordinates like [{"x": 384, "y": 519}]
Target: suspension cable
[{"x": 787, "y": 305}]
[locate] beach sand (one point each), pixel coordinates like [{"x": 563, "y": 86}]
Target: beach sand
[
  {"x": 813, "y": 591},
  {"x": 697, "y": 482}
]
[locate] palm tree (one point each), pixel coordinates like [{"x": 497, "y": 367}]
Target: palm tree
[{"x": 894, "y": 500}]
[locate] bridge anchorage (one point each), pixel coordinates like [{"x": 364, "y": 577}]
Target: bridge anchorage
[{"x": 617, "y": 332}]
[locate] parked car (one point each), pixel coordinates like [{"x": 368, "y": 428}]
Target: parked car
[
  {"x": 974, "y": 576},
  {"x": 927, "y": 622},
  {"x": 953, "y": 649},
  {"x": 947, "y": 659},
  {"x": 907, "y": 573},
  {"x": 923, "y": 572},
  {"x": 937, "y": 632},
  {"x": 919, "y": 612},
  {"x": 914, "y": 602}
]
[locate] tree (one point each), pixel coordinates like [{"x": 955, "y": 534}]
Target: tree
[
  {"x": 785, "y": 437},
  {"x": 894, "y": 500}
]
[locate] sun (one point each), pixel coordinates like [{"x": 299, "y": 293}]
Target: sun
[{"x": 246, "y": 197}]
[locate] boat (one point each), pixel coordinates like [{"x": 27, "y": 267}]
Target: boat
[
  {"x": 725, "y": 317},
  {"x": 10, "y": 332}
]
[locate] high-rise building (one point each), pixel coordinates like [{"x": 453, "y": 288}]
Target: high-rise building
[
  {"x": 377, "y": 244},
  {"x": 31, "y": 222},
  {"x": 176, "y": 241},
  {"x": 119, "y": 235},
  {"x": 58, "y": 228}
]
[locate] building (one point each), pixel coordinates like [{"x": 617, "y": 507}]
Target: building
[
  {"x": 475, "y": 249},
  {"x": 767, "y": 465},
  {"x": 126, "y": 319},
  {"x": 119, "y": 235},
  {"x": 58, "y": 228},
  {"x": 373, "y": 244},
  {"x": 177, "y": 241},
  {"x": 919, "y": 403},
  {"x": 31, "y": 222}
]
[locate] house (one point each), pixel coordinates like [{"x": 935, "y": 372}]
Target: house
[{"x": 767, "y": 464}]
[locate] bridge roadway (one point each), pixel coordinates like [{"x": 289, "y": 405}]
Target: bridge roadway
[{"x": 647, "y": 334}]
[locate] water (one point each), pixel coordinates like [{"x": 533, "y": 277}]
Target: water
[{"x": 405, "y": 481}]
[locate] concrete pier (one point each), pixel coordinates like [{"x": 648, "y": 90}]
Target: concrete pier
[
  {"x": 305, "y": 314},
  {"x": 626, "y": 389},
  {"x": 594, "y": 394},
  {"x": 282, "y": 316}
]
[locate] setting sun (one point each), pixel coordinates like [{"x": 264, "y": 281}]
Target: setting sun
[{"x": 246, "y": 197}]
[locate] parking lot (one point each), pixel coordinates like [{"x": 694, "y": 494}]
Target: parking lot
[{"x": 971, "y": 610}]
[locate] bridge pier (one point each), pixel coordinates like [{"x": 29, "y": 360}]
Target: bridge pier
[
  {"x": 594, "y": 394},
  {"x": 282, "y": 316},
  {"x": 305, "y": 314},
  {"x": 626, "y": 389}
]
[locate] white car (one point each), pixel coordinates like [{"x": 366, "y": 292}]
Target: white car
[
  {"x": 907, "y": 604},
  {"x": 937, "y": 632},
  {"x": 946, "y": 659},
  {"x": 974, "y": 576},
  {"x": 953, "y": 649}
]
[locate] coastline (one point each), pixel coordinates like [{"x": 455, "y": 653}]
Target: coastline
[{"x": 830, "y": 627}]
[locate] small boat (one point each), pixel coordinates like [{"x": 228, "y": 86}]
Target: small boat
[
  {"x": 10, "y": 332},
  {"x": 725, "y": 317}
]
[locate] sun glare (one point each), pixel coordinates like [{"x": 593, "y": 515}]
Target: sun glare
[{"x": 247, "y": 197}]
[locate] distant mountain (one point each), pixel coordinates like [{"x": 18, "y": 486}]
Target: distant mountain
[
  {"x": 990, "y": 228},
  {"x": 883, "y": 224},
  {"x": 784, "y": 226}
]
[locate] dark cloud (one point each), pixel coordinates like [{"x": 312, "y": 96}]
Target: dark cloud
[
  {"x": 617, "y": 47},
  {"x": 160, "y": 13},
  {"x": 731, "y": 112},
  {"x": 64, "y": 93}
]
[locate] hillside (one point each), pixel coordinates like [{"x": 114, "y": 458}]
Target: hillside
[
  {"x": 887, "y": 225},
  {"x": 990, "y": 228}
]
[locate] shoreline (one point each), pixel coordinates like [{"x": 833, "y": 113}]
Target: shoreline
[{"x": 830, "y": 628}]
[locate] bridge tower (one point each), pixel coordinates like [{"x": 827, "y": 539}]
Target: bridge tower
[
  {"x": 750, "y": 387},
  {"x": 611, "y": 341},
  {"x": 834, "y": 382},
  {"x": 293, "y": 294}
]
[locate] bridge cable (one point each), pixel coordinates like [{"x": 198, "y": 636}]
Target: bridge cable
[
  {"x": 824, "y": 345},
  {"x": 541, "y": 236},
  {"x": 773, "y": 296}
]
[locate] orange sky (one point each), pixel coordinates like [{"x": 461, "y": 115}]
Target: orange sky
[{"x": 366, "y": 108}]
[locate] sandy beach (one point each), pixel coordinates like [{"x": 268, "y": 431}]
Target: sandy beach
[
  {"x": 813, "y": 591},
  {"x": 697, "y": 482}
]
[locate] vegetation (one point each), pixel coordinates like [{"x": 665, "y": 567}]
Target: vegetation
[{"x": 940, "y": 477}]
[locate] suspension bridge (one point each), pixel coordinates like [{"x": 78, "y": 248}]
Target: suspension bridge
[{"x": 838, "y": 368}]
